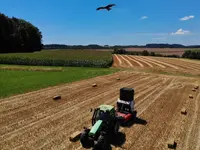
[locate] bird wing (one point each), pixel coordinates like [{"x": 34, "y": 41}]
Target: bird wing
[
  {"x": 110, "y": 5},
  {"x": 100, "y": 8}
]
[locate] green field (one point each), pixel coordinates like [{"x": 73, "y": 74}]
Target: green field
[
  {"x": 14, "y": 81},
  {"x": 76, "y": 58},
  {"x": 64, "y": 55}
]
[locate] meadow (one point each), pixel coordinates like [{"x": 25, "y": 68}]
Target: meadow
[{"x": 21, "y": 79}]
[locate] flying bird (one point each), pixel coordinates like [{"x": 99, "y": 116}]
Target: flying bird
[{"x": 108, "y": 7}]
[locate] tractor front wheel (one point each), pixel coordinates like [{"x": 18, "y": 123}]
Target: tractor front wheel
[
  {"x": 86, "y": 142},
  {"x": 101, "y": 143},
  {"x": 116, "y": 128}
]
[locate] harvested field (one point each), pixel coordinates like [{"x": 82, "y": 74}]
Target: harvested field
[
  {"x": 35, "y": 121},
  {"x": 174, "y": 65}
]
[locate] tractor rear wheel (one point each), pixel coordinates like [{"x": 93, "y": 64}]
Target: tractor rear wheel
[{"x": 86, "y": 142}]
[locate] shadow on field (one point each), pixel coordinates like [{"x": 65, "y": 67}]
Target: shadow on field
[
  {"x": 137, "y": 121},
  {"x": 116, "y": 141},
  {"x": 140, "y": 121}
]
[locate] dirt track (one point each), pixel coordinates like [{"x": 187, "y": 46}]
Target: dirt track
[
  {"x": 35, "y": 121},
  {"x": 173, "y": 65}
]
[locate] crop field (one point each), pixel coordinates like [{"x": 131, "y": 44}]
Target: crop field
[
  {"x": 174, "y": 65},
  {"x": 86, "y": 58},
  {"x": 35, "y": 121},
  {"x": 64, "y": 54}
]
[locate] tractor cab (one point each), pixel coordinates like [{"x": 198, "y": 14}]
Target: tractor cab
[
  {"x": 104, "y": 112},
  {"x": 125, "y": 104},
  {"x": 104, "y": 124}
]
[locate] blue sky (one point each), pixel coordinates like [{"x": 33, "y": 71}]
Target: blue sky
[{"x": 129, "y": 22}]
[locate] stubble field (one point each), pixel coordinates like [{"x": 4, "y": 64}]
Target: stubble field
[
  {"x": 170, "y": 65},
  {"x": 34, "y": 121}
]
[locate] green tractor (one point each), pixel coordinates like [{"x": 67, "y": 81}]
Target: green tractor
[{"x": 104, "y": 124}]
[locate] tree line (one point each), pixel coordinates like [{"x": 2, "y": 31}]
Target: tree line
[
  {"x": 141, "y": 53},
  {"x": 96, "y": 46},
  {"x": 18, "y": 35},
  {"x": 62, "y": 46},
  {"x": 192, "y": 54}
]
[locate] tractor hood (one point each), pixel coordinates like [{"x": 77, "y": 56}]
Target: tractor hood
[{"x": 97, "y": 126}]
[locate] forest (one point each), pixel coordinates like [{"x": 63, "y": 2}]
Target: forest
[{"x": 18, "y": 35}]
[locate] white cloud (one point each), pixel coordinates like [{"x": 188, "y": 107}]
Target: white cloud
[
  {"x": 180, "y": 32},
  {"x": 187, "y": 18},
  {"x": 144, "y": 17}
]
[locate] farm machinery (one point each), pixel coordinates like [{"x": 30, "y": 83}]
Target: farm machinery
[
  {"x": 106, "y": 121},
  {"x": 125, "y": 106}
]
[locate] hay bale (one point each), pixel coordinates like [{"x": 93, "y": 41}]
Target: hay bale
[
  {"x": 57, "y": 97},
  {"x": 94, "y": 85},
  {"x": 194, "y": 90},
  {"x": 118, "y": 78},
  {"x": 75, "y": 136},
  {"x": 190, "y": 96},
  {"x": 172, "y": 144},
  {"x": 196, "y": 87},
  {"x": 183, "y": 111}
]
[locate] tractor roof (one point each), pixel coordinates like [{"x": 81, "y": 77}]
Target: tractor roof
[{"x": 106, "y": 107}]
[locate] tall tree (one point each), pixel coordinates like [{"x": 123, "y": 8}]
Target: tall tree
[{"x": 18, "y": 35}]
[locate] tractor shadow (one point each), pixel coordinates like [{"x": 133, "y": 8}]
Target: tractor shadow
[
  {"x": 117, "y": 140},
  {"x": 137, "y": 121}
]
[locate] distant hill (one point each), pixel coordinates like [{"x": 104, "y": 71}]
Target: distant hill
[{"x": 95, "y": 46}]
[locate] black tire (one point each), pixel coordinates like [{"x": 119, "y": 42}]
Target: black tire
[
  {"x": 116, "y": 128},
  {"x": 86, "y": 142},
  {"x": 101, "y": 143},
  {"x": 134, "y": 116}
]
